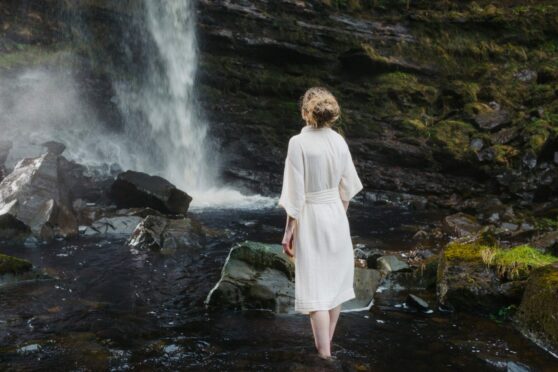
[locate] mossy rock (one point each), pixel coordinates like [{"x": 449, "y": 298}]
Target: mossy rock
[
  {"x": 537, "y": 316},
  {"x": 454, "y": 137},
  {"x": 13, "y": 265},
  {"x": 482, "y": 278}
]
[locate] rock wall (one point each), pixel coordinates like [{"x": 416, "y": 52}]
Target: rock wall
[{"x": 442, "y": 100}]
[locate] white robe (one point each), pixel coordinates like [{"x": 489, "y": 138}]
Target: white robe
[{"x": 319, "y": 173}]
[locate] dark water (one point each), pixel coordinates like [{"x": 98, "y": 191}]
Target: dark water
[{"x": 111, "y": 309}]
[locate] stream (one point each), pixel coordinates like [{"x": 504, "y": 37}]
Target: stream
[{"x": 113, "y": 309}]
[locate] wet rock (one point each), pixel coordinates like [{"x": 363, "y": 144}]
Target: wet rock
[
  {"x": 392, "y": 264},
  {"x": 13, "y": 265},
  {"x": 461, "y": 225},
  {"x": 114, "y": 226},
  {"x": 537, "y": 315},
  {"x": 255, "y": 276},
  {"x": 5, "y": 147},
  {"x": 547, "y": 242},
  {"x": 35, "y": 194},
  {"x": 465, "y": 282},
  {"x": 162, "y": 233},
  {"x": 53, "y": 147},
  {"x": 369, "y": 255},
  {"x": 13, "y": 270},
  {"x": 366, "y": 282},
  {"x": 136, "y": 189},
  {"x": 417, "y": 302}
]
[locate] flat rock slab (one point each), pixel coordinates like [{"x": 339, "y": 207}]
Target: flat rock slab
[{"x": 137, "y": 189}]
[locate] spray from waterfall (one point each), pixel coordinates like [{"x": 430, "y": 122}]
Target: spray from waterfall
[{"x": 151, "y": 66}]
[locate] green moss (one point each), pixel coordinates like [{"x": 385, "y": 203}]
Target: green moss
[
  {"x": 454, "y": 136},
  {"x": 463, "y": 251},
  {"x": 538, "y": 132},
  {"x": 503, "y": 154},
  {"x": 513, "y": 263},
  {"x": 13, "y": 265}
]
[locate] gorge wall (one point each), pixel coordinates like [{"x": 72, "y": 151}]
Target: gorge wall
[{"x": 453, "y": 103}]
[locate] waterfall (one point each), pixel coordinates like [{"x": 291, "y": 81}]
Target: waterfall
[
  {"x": 151, "y": 67},
  {"x": 160, "y": 110}
]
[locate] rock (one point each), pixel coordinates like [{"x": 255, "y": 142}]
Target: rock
[
  {"x": 537, "y": 315},
  {"x": 509, "y": 226},
  {"x": 417, "y": 302},
  {"x": 162, "y": 233},
  {"x": 526, "y": 75},
  {"x": 465, "y": 282},
  {"x": 366, "y": 282},
  {"x": 115, "y": 226},
  {"x": 255, "y": 276},
  {"x": 490, "y": 118},
  {"x": 370, "y": 255},
  {"x": 547, "y": 242},
  {"x": 35, "y": 194},
  {"x": 476, "y": 144},
  {"x": 460, "y": 225},
  {"x": 504, "y": 135},
  {"x": 392, "y": 264},
  {"x": 53, "y": 147},
  {"x": 5, "y": 147},
  {"x": 136, "y": 189},
  {"x": 13, "y": 270},
  {"x": 13, "y": 265}
]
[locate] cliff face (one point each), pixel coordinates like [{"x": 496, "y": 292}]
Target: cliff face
[{"x": 447, "y": 102}]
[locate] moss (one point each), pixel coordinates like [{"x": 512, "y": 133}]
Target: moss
[
  {"x": 538, "y": 132},
  {"x": 514, "y": 263},
  {"x": 454, "y": 136},
  {"x": 503, "y": 154},
  {"x": 463, "y": 251},
  {"x": 13, "y": 265},
  {"x": 537, "y": 313}
]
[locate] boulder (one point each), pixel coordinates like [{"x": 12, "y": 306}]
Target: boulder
[
  {"x": 490, "y": 117},
  {"x": 366, "y": 282},
  {"x": 35, "y": 195},
  {"x": 537, "y": 316},
  {"x": 137, "y": 189},
  {"x": 467, "y": 283},
  {"x": 162, "y": 233},
  {"x": 255, "y": 276},
  {"x": 461, "y": 225}
]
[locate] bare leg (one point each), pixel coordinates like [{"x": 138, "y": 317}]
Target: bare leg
[
  {"x": 320, "y": 327},
  {"x": 333, "y": 317}
]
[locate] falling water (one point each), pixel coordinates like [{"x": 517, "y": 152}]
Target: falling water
[
  {"x": 160, "y": 111},
  {"x": 152, "y": 70}
]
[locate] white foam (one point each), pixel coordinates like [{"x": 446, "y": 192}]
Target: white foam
[{"x": 228, "y": 198}]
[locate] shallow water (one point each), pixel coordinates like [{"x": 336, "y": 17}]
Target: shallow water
[{"x": 112, "y": 309}]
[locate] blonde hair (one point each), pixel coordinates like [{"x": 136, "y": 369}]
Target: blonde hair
[{"x": 319, "y": 108}]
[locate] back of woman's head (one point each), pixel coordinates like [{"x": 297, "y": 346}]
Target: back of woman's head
[{"x": 319, "y": 108}]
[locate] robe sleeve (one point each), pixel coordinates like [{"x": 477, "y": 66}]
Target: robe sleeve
[
  {"x": 350, "y": 183},
  {"x": 292, "y": 193}
]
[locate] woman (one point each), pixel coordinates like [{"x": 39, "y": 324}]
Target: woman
[{"x": 318, "y": 182}]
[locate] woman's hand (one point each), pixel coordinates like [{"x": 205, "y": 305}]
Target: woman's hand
[
  {"x": 289, "y": 237},
  {"x": 288, "y": 244}
]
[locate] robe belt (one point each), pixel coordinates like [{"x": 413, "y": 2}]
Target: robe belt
[{"x": 323, "y": 196}]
